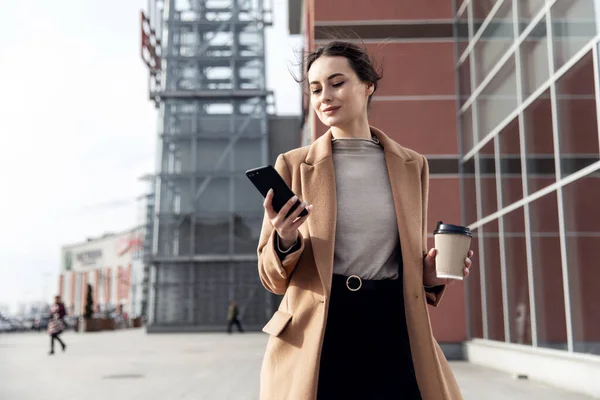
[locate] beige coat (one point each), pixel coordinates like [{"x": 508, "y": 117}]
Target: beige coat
[{"x": 290, "y": 367}]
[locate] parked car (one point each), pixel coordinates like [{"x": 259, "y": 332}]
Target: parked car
[
  {"x": 41, "y": 322},
  {"x": 5, "y": 326},
  {"x": 27, "y": 323},
  {"x": 16, "y": 324}
]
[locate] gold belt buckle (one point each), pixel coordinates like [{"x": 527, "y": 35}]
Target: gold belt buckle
[{"x": 348, "y": 283}]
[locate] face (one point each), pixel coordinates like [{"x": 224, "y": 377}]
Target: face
[{"x": 338, "y": 96}]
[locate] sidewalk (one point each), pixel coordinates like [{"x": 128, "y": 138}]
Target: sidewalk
[{"x": 131, "y": 365}]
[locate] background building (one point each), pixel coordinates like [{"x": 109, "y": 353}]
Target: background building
[
  {"x": 207, "y": 64},
  {"x": 112, "y": 265},
  {"x": 502, "y": 96}
]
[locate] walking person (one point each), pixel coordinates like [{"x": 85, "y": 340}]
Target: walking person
[
  {"x": 355, "y": 272},
  {"x": 233, "y": 318},
  {"x": 56, "y": 325}
]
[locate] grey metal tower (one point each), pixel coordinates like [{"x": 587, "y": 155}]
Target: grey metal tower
[{"x": 208, "y": 82}]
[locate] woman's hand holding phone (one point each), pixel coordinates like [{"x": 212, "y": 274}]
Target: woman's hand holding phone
[{"x": 287, "y": 228}]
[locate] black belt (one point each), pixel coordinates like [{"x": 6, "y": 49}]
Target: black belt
[{"x": 354, "y": 283}]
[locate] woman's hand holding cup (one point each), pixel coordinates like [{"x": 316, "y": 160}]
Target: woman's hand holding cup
[{"x": 286, "y": 227}]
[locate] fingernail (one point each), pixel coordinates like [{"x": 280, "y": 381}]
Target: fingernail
[
  {"x": 310, "y": 207},
  {"x": 295, "y": 198},
  {"x": 270, "y": 191},
  {"x": 303, "y": 204}
]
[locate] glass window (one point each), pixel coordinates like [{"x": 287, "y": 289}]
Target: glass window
[
  {"x": 215, "y": 195},
  {"x": 498, "y": 99},
  {"x": 208, "y": 153},
  {"x": 466, "y": 121},
  {"x": 246, "y": 231},
  {"x": 462, "y": 42},
  {"x": 464, "y": 79},
  {"x": 516, "y": 276},
  {"x": 462, "y": 31},
  {"x": 246, "y": 197},
  {"x": 534, "y": 59},
  {"x": 481, "y": 9},
  {"x": 247, "y": 153},
  {"x": 469, "y": 199},
  {"x": 539, "y": 143},
  {"x": 473, "y": 292},
  {"x": 573, "y": 25},
  {"x": 527, "y": 11},
  {"x": 212, "y": 235},
  {"x": 577, "y": 118},
  {"x": 547, "y": 272},
  {"x": 495, "y": 40},
  {"x": 487, "y": 180},
  {"x": 510, "y": 163},
  {"x": 493, "y": 281},
  {"x": 582, "y": 224}
]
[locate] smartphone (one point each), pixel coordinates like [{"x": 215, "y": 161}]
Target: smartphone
[{"x": 267, "y": 177}]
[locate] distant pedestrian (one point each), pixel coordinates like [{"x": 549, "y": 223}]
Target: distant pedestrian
[
  {"x": 233, "y": 317},
  {"x": 62, "y": 311},
  {"x": 56, "y": 325}
]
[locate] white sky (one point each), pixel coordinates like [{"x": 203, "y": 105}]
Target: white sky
[{"x": 77, "y": 129}]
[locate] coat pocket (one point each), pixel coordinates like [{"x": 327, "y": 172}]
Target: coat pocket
[{"x": 277, "y": 323}]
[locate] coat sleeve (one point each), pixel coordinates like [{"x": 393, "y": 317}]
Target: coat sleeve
[
  {"x": 274, "y": 272},
  {"x": 433, "y": 297}
]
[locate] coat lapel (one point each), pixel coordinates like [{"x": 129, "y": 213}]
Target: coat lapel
[
  {"x": 318, "y": 189},
  {"x": 405, "y": 182}
]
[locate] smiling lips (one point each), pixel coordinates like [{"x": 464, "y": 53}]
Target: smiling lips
[{"x": 330, "y": 110}]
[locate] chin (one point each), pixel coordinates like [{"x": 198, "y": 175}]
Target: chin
[{"x": 332, "y": 121}]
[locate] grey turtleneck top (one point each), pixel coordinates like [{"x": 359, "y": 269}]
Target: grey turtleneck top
[{"x": 367, "y": 243}]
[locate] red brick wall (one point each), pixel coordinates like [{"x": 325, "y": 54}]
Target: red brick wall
[
  {"x": 338, "y": 10},
  {"x": 424, "y": 118}
]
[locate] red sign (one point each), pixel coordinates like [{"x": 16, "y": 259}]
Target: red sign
[{"x": 151, "y": 46}]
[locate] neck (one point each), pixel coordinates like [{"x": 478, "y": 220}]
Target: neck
[{"x": 355, "y": 129}]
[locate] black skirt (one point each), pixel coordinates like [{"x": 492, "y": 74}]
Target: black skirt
[{"x": 366, "y": 351}]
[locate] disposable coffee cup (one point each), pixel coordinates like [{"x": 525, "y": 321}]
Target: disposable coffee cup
[{"x": 452, "y": 243}]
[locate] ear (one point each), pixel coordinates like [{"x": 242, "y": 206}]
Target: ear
[{"x": 370, "y": 89}]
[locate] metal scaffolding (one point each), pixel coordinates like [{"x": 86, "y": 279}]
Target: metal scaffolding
[{"x": 207, "y": 62}]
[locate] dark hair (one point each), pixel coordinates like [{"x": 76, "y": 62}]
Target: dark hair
[{"x": 357, "y": 57}]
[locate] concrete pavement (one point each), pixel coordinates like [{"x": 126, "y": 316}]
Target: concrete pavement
[{"x": 132, "y": 365}]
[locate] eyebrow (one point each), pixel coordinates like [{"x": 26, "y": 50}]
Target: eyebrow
[{"x": 329, "y": 77}]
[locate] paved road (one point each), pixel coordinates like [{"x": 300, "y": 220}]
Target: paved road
[{"x": 131, "y": 365}]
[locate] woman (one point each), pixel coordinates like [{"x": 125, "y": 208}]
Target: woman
[
  {"x": 56, "y": 324},
  {"x": 356, "y": 277}
]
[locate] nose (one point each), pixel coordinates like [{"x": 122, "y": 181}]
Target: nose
[{"x": 325, "y": 96}]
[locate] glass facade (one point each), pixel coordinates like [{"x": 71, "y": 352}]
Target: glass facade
[
  {"x": 213, "y": 126},
  {"x": 530, "y": 154}
]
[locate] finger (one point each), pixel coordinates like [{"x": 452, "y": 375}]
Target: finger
[
  {"x": 470, "y": 254},
  {"x": 296, "y": 213},
  {"x": 268, "y": 205},
  {"x": 468, "y": 262},
  {"x": 287, "y": 206},
  {"x": 301, "y": 220},
  {"x": 466, "y": 272},
  {"x": 431, "y": 254}
]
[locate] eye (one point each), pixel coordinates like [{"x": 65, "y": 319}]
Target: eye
[
  {"x": 315, "y": 91},
  {"x": 338, "y": 84}
]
